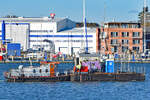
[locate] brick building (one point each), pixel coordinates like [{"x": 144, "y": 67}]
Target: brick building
[{"x": 120, "y": 37}]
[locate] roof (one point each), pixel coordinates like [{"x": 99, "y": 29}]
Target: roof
[
  {"x": 31, "y": 19},
  {"x": 122, "y": 22},
  {"x": 79, "y": 30}
]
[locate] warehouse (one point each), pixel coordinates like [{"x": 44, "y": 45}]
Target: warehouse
[{"x": 50, "y": 34}]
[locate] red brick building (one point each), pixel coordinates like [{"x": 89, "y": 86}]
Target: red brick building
[{"x": 120, "y": 37}]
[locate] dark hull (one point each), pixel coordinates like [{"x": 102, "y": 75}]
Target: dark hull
[
  {"x": 39, "y": 79},
  {"x": 108, "y": 77},
  {"x": 84, "y": 77}
]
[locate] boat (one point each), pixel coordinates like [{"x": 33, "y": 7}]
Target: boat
[
  {"x": 91, "y": 70},
  {"x": 43, "y": 73}
]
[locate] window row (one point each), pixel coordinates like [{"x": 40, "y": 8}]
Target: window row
[
  {"x": 125, "y": 34},
  {"x": 41, "y": 31},
  {"x": 124, "y": 49},
  {"x": 40, "y": 71},
  {"x": 124, "y": 26},
  {"x": 63, "y": 41},
  {"x": 124, "y": 41}
]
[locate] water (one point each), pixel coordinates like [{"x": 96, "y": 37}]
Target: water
[{"x": 74, "y": 90}]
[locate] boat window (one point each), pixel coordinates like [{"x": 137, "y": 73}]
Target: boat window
[
  {"x": 40, "y": 70},
  {"x": 34, "y": 71},
  {"x": 77, "y": 59},
  {"x": 46, "y": 70},
  {"x": 52, "y": 66}
]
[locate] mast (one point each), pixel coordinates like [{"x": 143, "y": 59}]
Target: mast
[
  {"x": 103, "y": 26},
  {"x": 144, "y": 26},
  {"x": 85, "y": 27}
]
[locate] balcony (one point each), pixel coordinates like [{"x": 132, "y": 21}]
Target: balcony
[{"x": 136, "y": 37}]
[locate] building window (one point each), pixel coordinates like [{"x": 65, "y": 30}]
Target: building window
[
  {"x": 125, "y": 41},
  {"x": 46, "y": 70},
  {"x": 148, "y": 45},
  {"x": 135, "y": 26},
  {"x": 34, "y": 71},
  {"x": 124, "y": 26},
  {"x": 114, "y": 34},
  {"x": 114, "y": 49},
  {"x": 136, "y": 41},
  {"x": 113, "y": 26},
  {"x": 114, "y": 41},
  {"x": 136, "y": 49},
  {"x": 136, "y": 34},
  {"x": 124, "y": 48},
  {"x": 103, "y": 35},
  {"x": 40, "y": 70},
  {"x": 147, "y": 36},
  {"x": 125, "y": 34}
]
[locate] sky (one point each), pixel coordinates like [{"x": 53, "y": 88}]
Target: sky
[{"x": 96, "y": 10}]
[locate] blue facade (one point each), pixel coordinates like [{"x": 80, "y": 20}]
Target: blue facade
[
  {"x": 61, "y": 36},
  {"x": 109, "y": 66},
  {"x": 13, "y": 49},
  {"x": 3, "y": 32}
]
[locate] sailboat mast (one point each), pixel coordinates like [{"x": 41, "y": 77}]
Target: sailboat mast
[
  {"x": 144, "y": 26},
  {"x": 85, "y": 27}
]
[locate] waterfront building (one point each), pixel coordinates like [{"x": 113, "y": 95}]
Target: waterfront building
[
  {"x": 50, "y": 34},
  {"x": 120, "y": 37},
  {"x": 145, "y": 26}
]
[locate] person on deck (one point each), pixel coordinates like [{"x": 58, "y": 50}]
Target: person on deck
[
  {"x": 79, "y": 66},
  {"x": 84, "y": 63},
  {"x": 97, "y": 64}
]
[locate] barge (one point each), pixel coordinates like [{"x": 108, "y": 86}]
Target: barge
[
  {"x": 120, "y": 77},
  {"x": 91, "y": 69}
]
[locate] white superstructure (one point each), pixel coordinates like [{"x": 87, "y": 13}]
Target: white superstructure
[{"x": 59, "y": 34}]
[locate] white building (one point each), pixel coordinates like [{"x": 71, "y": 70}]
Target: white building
[{"x": 57, "y": 34}]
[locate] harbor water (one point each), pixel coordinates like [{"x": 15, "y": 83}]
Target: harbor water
[{"x": 75, "y": 90}]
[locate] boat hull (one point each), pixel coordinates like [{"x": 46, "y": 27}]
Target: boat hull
[{"x": 98, "y": 76}]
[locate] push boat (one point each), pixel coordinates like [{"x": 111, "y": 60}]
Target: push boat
[
  {"x": 91, "y": 69},
  {"x": 43, "y": 73}
]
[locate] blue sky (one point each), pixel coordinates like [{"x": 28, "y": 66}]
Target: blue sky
[{"x": 120, "y": 10}]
